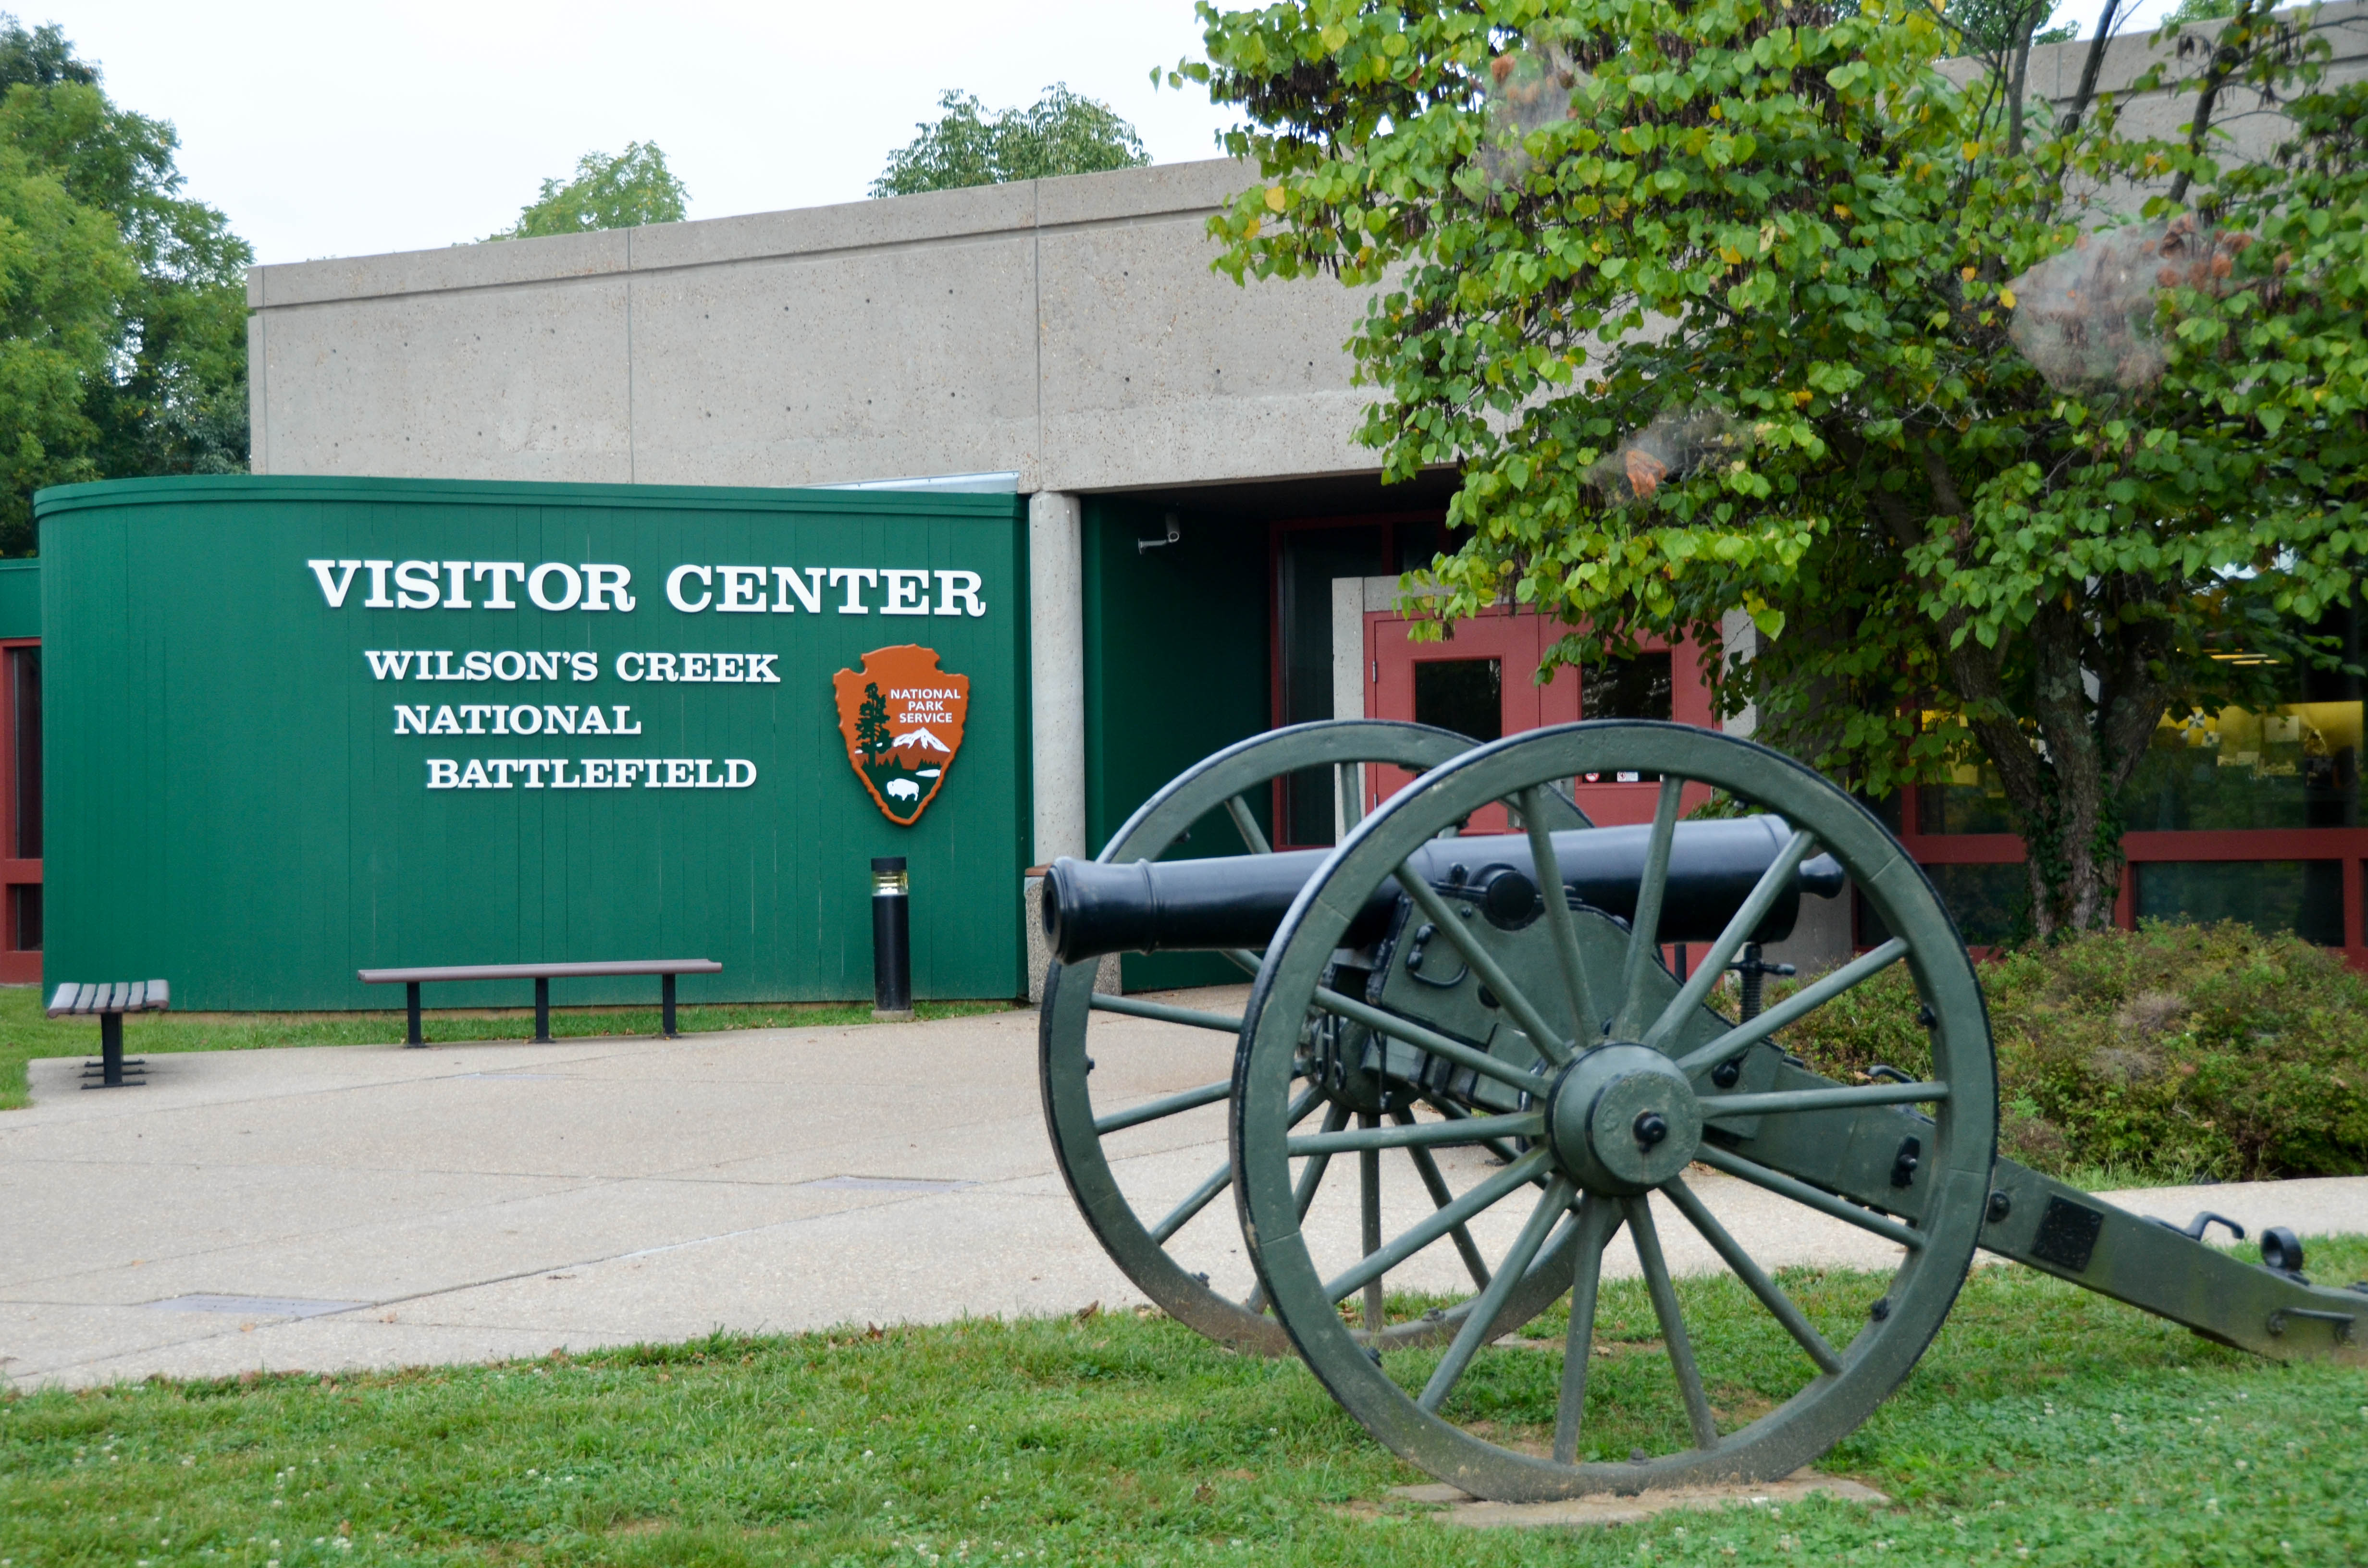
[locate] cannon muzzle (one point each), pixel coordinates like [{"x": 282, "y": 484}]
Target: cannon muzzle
[{"x": 1238, "y": 901}]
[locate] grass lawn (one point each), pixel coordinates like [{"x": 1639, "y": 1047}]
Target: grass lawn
[
  {"x": 2046, "y": 1425},
  {"x": 26, "y": 1032}
]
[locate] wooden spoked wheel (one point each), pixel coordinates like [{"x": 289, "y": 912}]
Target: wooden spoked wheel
[
  {"x": 1139, "y": 1239},
  {"x": 1626, "y": 1081}
]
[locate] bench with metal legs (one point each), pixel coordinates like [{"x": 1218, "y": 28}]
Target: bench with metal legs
[
  {"x": 542, "y": 975},
  {"x": 109, "y": 1001}
]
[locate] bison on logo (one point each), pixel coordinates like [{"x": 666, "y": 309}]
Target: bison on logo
[{"x": 902, "y": 718}]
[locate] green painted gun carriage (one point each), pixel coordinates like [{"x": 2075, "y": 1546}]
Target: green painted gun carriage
[{"x": 1494, "y": 1011}]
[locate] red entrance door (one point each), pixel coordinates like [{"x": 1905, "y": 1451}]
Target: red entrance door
[{"x": 1482, "y": 683}]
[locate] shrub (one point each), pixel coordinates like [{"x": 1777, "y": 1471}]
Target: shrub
[{"x": 2169, "y": 1053}]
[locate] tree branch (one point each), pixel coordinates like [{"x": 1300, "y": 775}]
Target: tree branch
[
  {"x": 2091, "y": 68},
  {"x": 2230, "y": 50}
]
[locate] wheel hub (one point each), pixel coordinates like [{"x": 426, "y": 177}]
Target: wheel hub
[{"x": 1621, "y": 1119}]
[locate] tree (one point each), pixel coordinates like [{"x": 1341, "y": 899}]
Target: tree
[
  {"x": 122, "y": 302},
  {"x": 1715, "y": 307},
  {"x": 1061, "y": 133},
  {"x": 872, "y": 723},
  {"x": 624, "y": 192}
]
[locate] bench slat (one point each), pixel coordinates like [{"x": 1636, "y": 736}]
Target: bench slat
[
  {"x": 537, "y": 971},
  {"x": 110, "y": 996}
]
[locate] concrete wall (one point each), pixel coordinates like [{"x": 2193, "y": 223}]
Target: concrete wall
[
  {"x": 2250, "y": 133},
  {"x": 1066, "y": 330}
]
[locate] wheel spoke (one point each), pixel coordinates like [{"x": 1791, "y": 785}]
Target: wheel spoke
[
  {"x": 1596, "y": 1216},
  {"x": 1843, "y": 1098},
  {"x": 1107, "y": 1002},
  {"x": 1807, "y": 1000},
  {"x": 1718, "y": 1159},
  {"x": 1504, "y": 1154},
  {"x": 1353, "y": 794},
  {"x": 1247, "y": 826},
  {"x": 1673, "y": 1323},
  {"x": 1559, "y": 924},
  {"x": 1369, "y": 1204},
  {"x": 1248, "y": 962},
  {"x": 1311, "y": 1177},
  {"x": 1429, "y": 1229},
  {"x": 1549, "y": 1041},
  {"x": 1485, "y": 1306},
  {"x": 1652, "y": 889},
  {"x": 1438, "y": 1044},
  {"x": 1420, "y": 1134},
  {"x": 1722, "y": 952},
  {"x": 1754, "y": 1278},
  {"x": 1135, "y": 1116},
  {"x": 1181, "y": 1215},
  {"x": 1440, "y": 1197}
]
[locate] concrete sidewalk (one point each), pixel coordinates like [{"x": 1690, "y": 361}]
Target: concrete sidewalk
[{"x": 328, "y": 1207}]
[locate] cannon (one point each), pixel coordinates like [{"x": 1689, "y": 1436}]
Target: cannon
[{"x": 1494, "y": 1010}]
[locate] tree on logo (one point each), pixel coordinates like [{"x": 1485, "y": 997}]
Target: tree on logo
[{"x": 871, "y": 723}]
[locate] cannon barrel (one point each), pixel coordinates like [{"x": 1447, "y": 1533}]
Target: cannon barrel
[{"x": 1143, "y": 906}]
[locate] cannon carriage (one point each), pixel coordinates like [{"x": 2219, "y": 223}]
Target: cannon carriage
[{"x": 1494, "y": 1011}]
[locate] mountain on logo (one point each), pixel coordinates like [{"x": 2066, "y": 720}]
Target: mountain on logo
[{"x": 902, "y": 718}]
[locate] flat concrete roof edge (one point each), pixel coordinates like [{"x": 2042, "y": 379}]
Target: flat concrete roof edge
[{"x": 976, "y": 212}]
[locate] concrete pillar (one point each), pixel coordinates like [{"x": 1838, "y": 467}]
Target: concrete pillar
[
  {"x": 1742, "y": 640},
  {"x": 1056, "y": 668}
]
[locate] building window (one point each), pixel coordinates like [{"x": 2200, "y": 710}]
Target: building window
[
  {"x": 2305, "y": 897},
  {"x": 2297, "y": 765},
  {"x": 1466, "y": 696},
  {"x": 24, "y": 917},
  {"x": 1972, "y": 801},
  {"x": 1635, "y": 687},
  {"x": 1989, "y": 902}
]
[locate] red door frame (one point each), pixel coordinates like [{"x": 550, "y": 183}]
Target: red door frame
[
  {"x": 1519, "y": 638},
  {"x": 18, "y": 966}
]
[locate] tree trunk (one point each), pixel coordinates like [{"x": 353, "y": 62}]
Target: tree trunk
[{"x": 2092, "y": 726}]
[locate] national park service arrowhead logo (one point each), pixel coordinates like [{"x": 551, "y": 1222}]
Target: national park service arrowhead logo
[{"x": 902, "y": 720}]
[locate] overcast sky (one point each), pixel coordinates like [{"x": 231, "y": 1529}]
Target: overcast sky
[{"x": 349, "y": 127}]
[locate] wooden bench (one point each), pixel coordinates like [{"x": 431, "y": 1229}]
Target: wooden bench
[
  {"x": 110, "y": 1001},
  {"x": 542, "y": 975}
]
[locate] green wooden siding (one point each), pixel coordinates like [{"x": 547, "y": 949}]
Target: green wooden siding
[
  {"x": 20, "y": 598},
  {"x": 1176, "y": 667},
  {"x": 230, "y": 809}
]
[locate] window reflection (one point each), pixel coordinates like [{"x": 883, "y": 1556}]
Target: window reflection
[
  {"x": 2296, "y": 766},
  {"x": 1991, "y": 903},
  {"x": 2305, "y": 897},
  {"x": 1972, "y": 801}
]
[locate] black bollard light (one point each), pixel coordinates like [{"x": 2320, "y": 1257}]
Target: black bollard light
[{"x": 892, "y": 941}]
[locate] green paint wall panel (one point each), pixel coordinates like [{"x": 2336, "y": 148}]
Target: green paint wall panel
[
  {"x": 230, "y": 808},
  {"x": 20, "y": 598},
  {"x": 1176, "y": 668}
]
